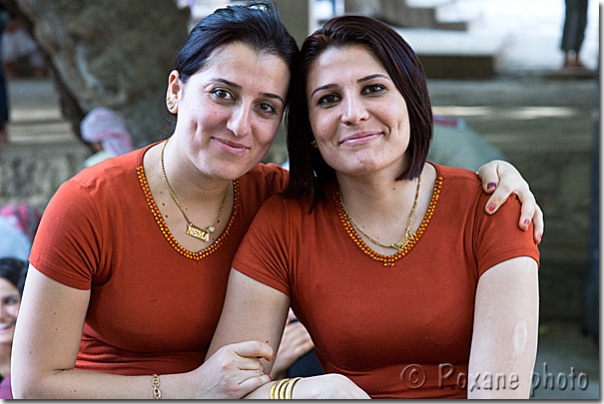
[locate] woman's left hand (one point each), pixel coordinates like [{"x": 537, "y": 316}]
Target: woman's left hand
[{"x": 502, "y": 179}]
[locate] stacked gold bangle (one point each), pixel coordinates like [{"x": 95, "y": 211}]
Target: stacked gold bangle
[
  {"x": 283, "y": 389},
  {"x": 155, "y": 384}
]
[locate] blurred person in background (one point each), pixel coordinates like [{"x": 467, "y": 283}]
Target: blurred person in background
[
  {"x": 12, "y": 278},
  {"x": 573, "y": 33},
  {"x": 106, "y": 131},
  {"x": 20, "y": 55}
]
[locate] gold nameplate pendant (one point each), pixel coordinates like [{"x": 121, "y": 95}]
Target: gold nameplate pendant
[
  {"x": 198, "y": 233},
  {"x": 401, "y": 244}
]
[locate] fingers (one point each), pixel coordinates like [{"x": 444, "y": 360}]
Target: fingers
[
  {"x": 253, "y": 349},
  {"x": 489, "y": 175},
  {"x": 252, "y": 383},
  {"x": 499, "y": 196},
  {"x": 538, "y": 225}
]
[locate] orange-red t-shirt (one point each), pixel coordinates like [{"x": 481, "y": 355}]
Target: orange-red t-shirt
[
  {"x": 375, "y": 323},
  {"x": 152, "y": 309}
]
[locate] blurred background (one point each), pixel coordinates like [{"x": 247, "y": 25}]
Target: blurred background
[{"x": 498, "y": 86}]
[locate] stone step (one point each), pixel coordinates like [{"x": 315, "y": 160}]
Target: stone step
[
  {"x": 434, "y": 14},
  {"x": 455, "y": 55}
]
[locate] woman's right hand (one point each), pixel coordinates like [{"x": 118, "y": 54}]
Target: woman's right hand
[
  {"x": 233, "y": 371},
  {"x": 328, "y": 386}
]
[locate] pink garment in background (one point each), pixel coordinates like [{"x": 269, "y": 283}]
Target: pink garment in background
[{"x": 108, "y": 127}]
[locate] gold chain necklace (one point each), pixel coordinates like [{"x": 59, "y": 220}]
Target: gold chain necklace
[
  {"x": 408, "y": 233},
  {"x": 193, "y": 230}
]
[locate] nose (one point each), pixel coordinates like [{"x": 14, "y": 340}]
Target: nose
[
  {"x": 239, "y": 121},
  {"x": 354, "y": 111}
]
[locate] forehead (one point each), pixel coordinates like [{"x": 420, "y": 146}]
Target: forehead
[
  {"x": 238, "y": 62},
  {"x": 7, "y": 288},
  {"x": 337, "y": 63}
]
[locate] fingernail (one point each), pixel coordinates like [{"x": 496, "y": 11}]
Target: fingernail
[
  {"x": 539, "y": 236},
  {"x": 526, "y": 222},
  {"x": 491, "y": 185},
  {"x": 491, "y": 208}
]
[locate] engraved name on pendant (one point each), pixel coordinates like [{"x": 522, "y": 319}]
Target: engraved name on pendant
[{"x": 198, "y": 233}]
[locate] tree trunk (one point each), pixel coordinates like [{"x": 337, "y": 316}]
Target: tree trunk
[{"x": 111, "y": 53}]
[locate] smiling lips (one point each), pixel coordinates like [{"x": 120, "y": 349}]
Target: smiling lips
[
  {"x": 231, "y": 147},
  {"x": 4, "y": 326},
  {"x": 360, "y": 138}
]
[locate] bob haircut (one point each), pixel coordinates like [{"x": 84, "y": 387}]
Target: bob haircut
[{"x": 309, "y": 173}]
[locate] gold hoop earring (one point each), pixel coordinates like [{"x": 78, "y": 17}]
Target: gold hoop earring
[{"x": 314, "y": 143}]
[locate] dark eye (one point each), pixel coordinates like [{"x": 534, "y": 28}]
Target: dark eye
[
  {"x": 11, "y": 300},
  {"x": 327, "y": 100},
  {"x": 374, "y": 88},
  {"x": 221, "y": 93},
  {"x": 267, "y": 108}
]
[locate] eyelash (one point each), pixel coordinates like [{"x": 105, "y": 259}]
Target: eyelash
[
  {"x": 215, "y": 92},
  {"x": 272, "y": 111},
  {"x": 220, "y": 92},
  {"x": 376, "y": 88},
  {"x": 328, "y": 99}
]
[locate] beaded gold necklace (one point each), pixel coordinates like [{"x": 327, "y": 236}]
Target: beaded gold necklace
[
  {"x": 388, "y": 260},
  {"x": 407, "y": 237},
  {"x": 193, "y": 230}
]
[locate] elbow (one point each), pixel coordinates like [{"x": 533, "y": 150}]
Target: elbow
[{"x": 27, "y": 386}]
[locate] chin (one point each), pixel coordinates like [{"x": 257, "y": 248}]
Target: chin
[{"x": 6, "y": 337}]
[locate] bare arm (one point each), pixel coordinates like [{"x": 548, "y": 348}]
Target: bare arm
[
  {"x": 256, "y": 311},
  {"x": 47, "y": 339},
  {"x": 503, "y": 179},
  {"x": 296, "y": 342},
  {"x": 504, "y": 339}
]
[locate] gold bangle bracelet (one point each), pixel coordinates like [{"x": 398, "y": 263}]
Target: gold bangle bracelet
[
  {"x": 274, "y": 394},
  {"x": 289, "y": 388},
  {"x": 155, "y": 384},
  {"x": 282, "y": 388}
]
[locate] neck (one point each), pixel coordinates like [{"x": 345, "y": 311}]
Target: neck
[
  {"x": 188, "y": 182},
  {"x": 378, "y": 194},
  {"x": 204, "y": 204},
  {"x": 383, "y": 208}
]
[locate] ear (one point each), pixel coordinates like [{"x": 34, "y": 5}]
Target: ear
[{"x": 174, "y": 91}]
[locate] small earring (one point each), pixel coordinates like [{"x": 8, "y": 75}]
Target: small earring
[
  {"x": 169, "y": 103},
  {"x": 314, "y": 143}
]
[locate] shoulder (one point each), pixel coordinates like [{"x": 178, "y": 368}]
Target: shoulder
[
  {"x": 114, "y": 175},
  {"x": 269, "y": 175},
  {"x": 264, "y": 180},
  {"x": 457, "y": 176},
  {"x": 459, "y": 183}
]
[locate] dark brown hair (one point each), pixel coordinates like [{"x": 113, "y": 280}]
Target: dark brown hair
[
  {"x": 14, "y": 270},
  {"x": 256, "y": 24},
  {"x": 308, "y": 171}
]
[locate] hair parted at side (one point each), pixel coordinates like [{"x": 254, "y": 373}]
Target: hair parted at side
[
  {"x": 254, "y": 23},
  {"x": 308, "y": 171}
]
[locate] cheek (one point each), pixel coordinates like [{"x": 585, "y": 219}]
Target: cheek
[
  {"x": 267, "y": 133},
  {"x": 321, "y": 125},
  {"x": 13, "y": 310}
]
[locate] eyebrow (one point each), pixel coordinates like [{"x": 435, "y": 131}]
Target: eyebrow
[
  {"x": 238, "y": 87},
  {"x": 361, "y": 80}
]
